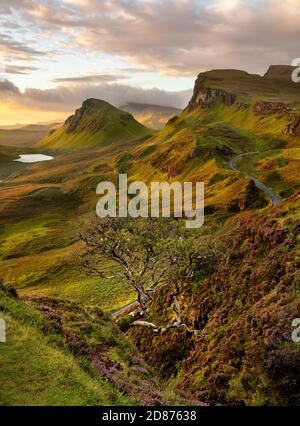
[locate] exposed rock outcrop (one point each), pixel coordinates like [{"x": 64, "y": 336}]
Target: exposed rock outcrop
[
  {"x": 279, "y": 72},
  {"x": 294, "y": 126},
  {"x": 203, "y": 97},
  {"x": 265, "y": 108}
]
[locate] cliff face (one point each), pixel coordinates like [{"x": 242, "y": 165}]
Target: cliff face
[
  {"x": 229, "y": 85},
  {"x": 204, "y": 96},
  {"x": 279, "y": 72},
  {"x": 274, "y": 94}
]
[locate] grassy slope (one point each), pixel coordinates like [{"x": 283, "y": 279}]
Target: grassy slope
[
  {"x": 242, "y": 306},
  {"x": 96, "y": 123},
  {"x": 38, "y": 369},
  {"x": 58, "y": 353}
]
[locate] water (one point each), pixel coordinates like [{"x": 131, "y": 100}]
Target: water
[{"x": 33, "y": 158}]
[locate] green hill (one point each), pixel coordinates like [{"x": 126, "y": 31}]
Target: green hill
[
  {"x": 95, "y": 124},
  {"x": 275, "y": 86},
  {"x": 231, "y": 112}
]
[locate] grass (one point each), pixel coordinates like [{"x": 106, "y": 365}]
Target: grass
[
  {"x": 35, "y": 371},
  {"x": 277, "y": 168},
  {"x": 61, "y": 353},
  {"x": 96, "y": 123}
]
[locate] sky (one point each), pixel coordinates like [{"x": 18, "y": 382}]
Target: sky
[{"x": 56, "y": 53}]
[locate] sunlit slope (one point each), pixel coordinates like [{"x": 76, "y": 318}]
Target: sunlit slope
[
  {"x": 96, "y": 123},
  {"x": 275, "y": 86},
  {"x": 39, "y": 367},
  {"x": 231, "y": 112},
  {"x": 52, "y": 199}
]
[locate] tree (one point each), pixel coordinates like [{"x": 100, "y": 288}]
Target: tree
[{"x": 147, "y": 254}]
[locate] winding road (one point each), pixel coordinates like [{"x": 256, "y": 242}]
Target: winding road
[
  {"x": 128, "y": 309},
  {"x": 267, "y": 190}
]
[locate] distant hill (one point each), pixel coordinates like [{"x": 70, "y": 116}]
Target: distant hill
[
  {"x": 94, "y": 124},
  {"x": 153, "y": 116},
  {"x": 24, "y": 135}
]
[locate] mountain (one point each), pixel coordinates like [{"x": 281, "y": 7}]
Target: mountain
[
  {"x": 153, "y": 116},
  {"x": 232, "y": 86},
  {"x": 96, "y": 123},
  {"x": 25, "y": 135},
  {"x": 231, "y": 113}
]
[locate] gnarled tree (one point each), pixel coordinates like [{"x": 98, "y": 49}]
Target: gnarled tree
[{"x": 147, "y": 254}]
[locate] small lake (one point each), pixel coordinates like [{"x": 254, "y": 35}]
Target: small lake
[{"x": 33, "y": 158}]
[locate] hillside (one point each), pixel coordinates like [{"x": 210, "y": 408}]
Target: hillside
[
  {"x": 230, "y": 113},
  {"x": 96, "y": 123},
  {"x": 153, "y": 116},
  {"x": 241, "y": 306},
  {"x": 58, "y": 353},
  {"x": 275, "y": 86}
]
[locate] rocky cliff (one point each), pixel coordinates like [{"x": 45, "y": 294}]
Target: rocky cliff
[{"x": 203, "y": 96}]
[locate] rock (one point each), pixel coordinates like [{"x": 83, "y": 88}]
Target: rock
[
  {"x": 203, "y": 97},
  {"x": 294, "y": 126},
  {"x": 264, "y": 107}
]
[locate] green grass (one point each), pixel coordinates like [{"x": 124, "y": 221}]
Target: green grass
[
  {"x": 35, "y": 371},
  {"x": 278, "y": 168},
  {"x": 96, "y": 123},
  {"x": 248, "y": 86}
]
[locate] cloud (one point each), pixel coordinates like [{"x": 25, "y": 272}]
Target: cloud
[
  {"x": 97, "y": 78},
  {"x": 19, "y": 69},
  {"x": 12, "y": 49},
  {"x": 8, "y": 88},
  {"x": 181, "y": 37},
  {"x": 68, "y": 98}
]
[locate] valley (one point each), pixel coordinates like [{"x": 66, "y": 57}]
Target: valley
[{"x": 241, "y": 138}]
